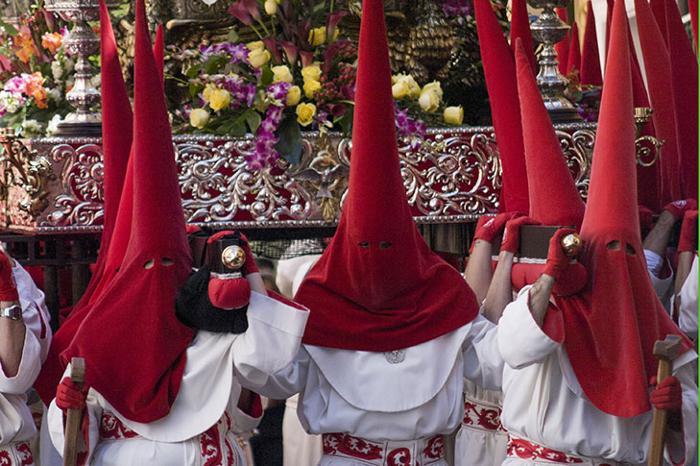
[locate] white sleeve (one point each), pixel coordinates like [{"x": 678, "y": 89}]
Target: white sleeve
[
  {"x": 682, "y": 446},
  {"x": 55, "y": 422},
  {"x": 521, "y": 341},
  {"x": 662, "y": 286},
  {"x": 271, "y": 341},
  {"x": 288, "y": 381},
  {"x": 37, "y": 336},
  {"x": 483, "y": 363},
  {"x": 688, "y": 296}
]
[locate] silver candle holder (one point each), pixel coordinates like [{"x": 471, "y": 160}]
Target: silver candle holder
[
  {"x": 548, "y": 29},
  {"x": 80, "y": 44}
]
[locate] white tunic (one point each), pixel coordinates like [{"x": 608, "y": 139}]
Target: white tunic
[
  {"x": 16, "y": 423},
  {"x": 544, "y": 403},
  {"x": 366, "y": 395},
  {"x": 688, "y": 296},
  {"x": 662, "y": 286},
  {"x": 216, "y": 364}
]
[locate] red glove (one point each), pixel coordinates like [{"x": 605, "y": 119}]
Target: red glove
[
  {"x": 557, "y": 260},
  {"x": 689, "y": 232},
  {"x": 8, "y": 288},
  {"x": 678, "y": 208},
  {"x": 511, "y": 235},
  {"x": 489, "y": 227},
  {"x": 667, "y": 395},
  {"x": 68, "y": 396}
]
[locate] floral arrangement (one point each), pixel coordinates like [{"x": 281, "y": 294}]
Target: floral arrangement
[
  {"x": 35, "y": 73},
  {"x": 299, "y": 75}
]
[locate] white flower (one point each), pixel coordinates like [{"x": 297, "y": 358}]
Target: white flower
[
  {"x": 96, "y": 81},
  {"x": 52, "y": 127},
  {"x": 57, "y": 70},
  {"x": 55, "y": 94},
  {"x": 10, "y": 102},
  {"x": 31, "y": 128}
]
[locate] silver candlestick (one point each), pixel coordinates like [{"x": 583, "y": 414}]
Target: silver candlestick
[
  {"x": 80, "y": 44},
  {"x": 549, "y": 29}
]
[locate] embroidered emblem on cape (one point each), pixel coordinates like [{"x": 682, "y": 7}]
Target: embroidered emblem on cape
[{"x": 396, "y": 356}]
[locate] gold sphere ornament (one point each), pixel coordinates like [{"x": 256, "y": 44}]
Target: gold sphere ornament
[
  {"x": 233, "y": 257},
  {"x": 572, "y": 244}
]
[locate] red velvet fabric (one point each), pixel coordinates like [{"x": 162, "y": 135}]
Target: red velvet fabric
[
  {"x": 590, "y": 58},
  {"x": 520, "y": 29},
  {"x": 684, "y": 70},
  {"x": 378, "y": 287},
  {"x": 159, "y": 51},
  {"x": 562, "y": 47},
  {"x": 612, "y": 326},
  {"x": 554, "y": 199},
  {"x": 117, "y": 129},
  {"x": 499, "y": 71},
  {"x": 574, "y": 61},
  {"x": 658, "y": 8},
  {"x": 657, "y": 64},
  {"x": 648, "y": 178},
  {"x": 572, "y": 280},
  {"x": 134, "y": 345},
  {"x": 693, "y": 7}
]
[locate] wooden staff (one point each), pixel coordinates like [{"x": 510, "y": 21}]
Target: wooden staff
[
  {"x": 74, "y": 416},
  {"x": 665, "y": 351}
]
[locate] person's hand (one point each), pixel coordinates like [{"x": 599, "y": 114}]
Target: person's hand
[
  {"x": 557, "y": 260},
  {"x": 8, "y": 287},
  {"x": 489, "y": 227},
  {"x": 68, "y": 396},
  {"x": 678, "y": 208},
  {"x": 687, "y": 241},
  {"x": 511, "y": 235},
  {"x": 667, "y": 395}
]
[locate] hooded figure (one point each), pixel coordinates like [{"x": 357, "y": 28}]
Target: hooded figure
[
  {"x": 590, "y": 58},
  {"x": 578, "y": 366},
  {"x": 387, "y": 315},
  {"x": 150, "y": 376}
]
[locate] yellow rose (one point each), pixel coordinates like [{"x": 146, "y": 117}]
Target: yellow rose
[
  {"x": 430, "y": 97},
  {"x": 293, "y": 96},
  {"x": 311, "y": 72},
  {"x": 399, "y": 90},
  {"x": 206, "y": 93},
  {"x": 413, "y": 87},
  {"x": 311, "y": 88},
  {"x": 305, "y": 113},
  {"x": 219, "y": 99},
  {"x": 281, "y": 73},
  {"x": 270, "y": 7},
  {"x": 258, "y": 44},
  {"x": 317, "y": 36},
  {"x": 453, "y": 115},
  {"x": 199, "y": 118},
  {"x": 258, "y": 57}
]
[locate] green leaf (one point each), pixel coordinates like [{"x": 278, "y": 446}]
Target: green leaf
[
  {"x": 195, "y": 89},
  {"x": 214, "y": 64},
  {"x": 238, "y": 128},
  {"x": 193, "y": 71},
  {"x": 232, "y": 36},
  {"x": 10, "y": 29},
  {"x": 289, "y": 144},
  {"x": 252, "y": 118},
  {"x": 345, "y": 121},
  {"x": 267, "y": 75}
]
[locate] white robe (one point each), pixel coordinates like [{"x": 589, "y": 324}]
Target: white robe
[
  {"x": 365, "y": 395},
  {"x": 216, "y": 366},
  {"x": 688, "y": 296},
  {"x": 544, "y": 403},
  {"x": 16, "y": 423}
]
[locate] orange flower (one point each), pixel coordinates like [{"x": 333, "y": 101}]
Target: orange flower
[
  {"x": 24, "y": 46},
  {"x": 35, "y": 89},
  {"x": 52, "y": 41}
]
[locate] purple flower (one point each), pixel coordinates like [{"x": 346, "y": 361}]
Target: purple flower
[
  {"x": 455, "y": 7},
  {"x": 279, "y": 91},
  {"x": 407, "y": 126},
  {"x": 16, "y": 84}
]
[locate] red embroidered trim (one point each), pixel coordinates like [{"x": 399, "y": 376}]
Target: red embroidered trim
[
  {"x": 5, "y": 459},
  {"x": 435, "y": 448},
  {"x": 24, "y": 455},
  {"x": 111, "y": 428},
  {"x": 485, "y": 417},
  {"x": 351, "y": 446},
  {"x": 336, "y": 444},
  {"x": 210, "y": 446},
  {"x": 530, "y": 451}
]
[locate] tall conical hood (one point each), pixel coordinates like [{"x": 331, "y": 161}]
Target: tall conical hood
[
  {"x": 520, "y": 29},
  {"x": 590, "y": 58},
  {"x": 612, "y": 326},
  {"x": 693, "y": 7},
  {"x": 562, "y": 47},
  {"x": 554, "y": 199},
  {"x": 499, "y": 70},
  {"x": 159, "y": 50},
  {"x": 684, "y": 70},
  {"x": 136, "y": 311},
  {"x": 657, "y": 64},
  {"x": 574, "y": 62},
  {"x": 378, "y": 287}
]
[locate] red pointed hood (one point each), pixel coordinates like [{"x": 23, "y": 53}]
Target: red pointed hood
[
  {"x": 378, "y": 287},
  {"x": 499, "y": 70},
  {"x": 684, "y": 70},
  {"x": 562, "y": 47},
  {"x": 590, "y": 58},
  {"x": 159, "y": 50},
  {"x": 693, "y": 8},
  {"x": 136, "y": 312},
  {"x": 520, "y": 29},
  {"x": 554, "y": 199},
  {"x": 657, "y": 64},
  {"x": 574, "y": 62},
  {"x": 612, "y": 326}
]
